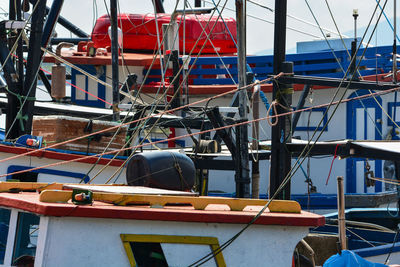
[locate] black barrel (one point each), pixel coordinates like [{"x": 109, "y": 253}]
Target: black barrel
[{"x": 161, "y": 169}]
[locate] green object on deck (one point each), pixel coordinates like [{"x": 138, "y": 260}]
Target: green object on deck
[{"x": 82, "y": 197}]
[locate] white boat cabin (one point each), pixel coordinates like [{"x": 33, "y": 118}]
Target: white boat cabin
[{"x": 102, "y": 234}]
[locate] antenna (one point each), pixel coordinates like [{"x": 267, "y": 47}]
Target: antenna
[{"x": 352, "y": 74}]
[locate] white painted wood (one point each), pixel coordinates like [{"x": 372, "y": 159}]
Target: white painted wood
[
  {"x": 360, "y": 124},
  {"x": 95, "y": 242},
  {"x": 360, "y": 176},
  {"x": 130, "y": 190},
  {"x": 11, "y": 237},
  {"x": 92, "y": 89},
  {"x": 81, "y": 83},
  {"x": 42, "y": 239},
  {"x": 371, "y": 121},
  {"x": 83, "y": 168}
]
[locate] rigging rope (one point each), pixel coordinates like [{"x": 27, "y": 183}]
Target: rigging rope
[
  {"x": 177, "y": 75},
  {"x": 303, "y": 154},
  {"x": 189, "y": 135},
  {"x": 270, "y": 22},
  {"x": 358, "y": 72},
  {"x": 291, "y": 16},
  {"x": 136, "y": 133}
]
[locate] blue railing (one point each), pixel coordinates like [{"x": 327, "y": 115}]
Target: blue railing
[{"x": 211, "y": 70}]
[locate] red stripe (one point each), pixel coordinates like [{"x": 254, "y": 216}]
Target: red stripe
[{"x": 59, "y": 156}]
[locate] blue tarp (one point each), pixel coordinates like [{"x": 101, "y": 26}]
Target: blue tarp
[{"x": 349, "y": 259}]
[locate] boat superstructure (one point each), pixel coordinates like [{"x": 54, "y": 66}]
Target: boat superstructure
[{"x": 50, "y": 229}]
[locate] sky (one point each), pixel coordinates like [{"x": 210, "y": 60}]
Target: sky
[{"x": 259, "y": 32}]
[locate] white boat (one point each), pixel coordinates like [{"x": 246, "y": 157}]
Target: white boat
[{"x": 44, "y": 229}]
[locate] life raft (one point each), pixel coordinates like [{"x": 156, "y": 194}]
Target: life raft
[{"x": 139, "y": 32}]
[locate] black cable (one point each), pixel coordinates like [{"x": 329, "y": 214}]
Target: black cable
[
  {"x": 391, "y": 249},
  {"x": 291, "y": 173}
]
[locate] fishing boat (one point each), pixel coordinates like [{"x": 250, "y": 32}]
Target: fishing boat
[
  {"x": 135, "y": 226},
  {"x": 209, "y": 77},
  {"x": 168, "y": 97}
]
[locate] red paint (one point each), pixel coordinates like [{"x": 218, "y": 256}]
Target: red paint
[
  {"x": 59, "y": 156},
  {"x": 171, "y": 143},
  {"x": 30, "y": 202},
  {"x": 140, "y": 32}
]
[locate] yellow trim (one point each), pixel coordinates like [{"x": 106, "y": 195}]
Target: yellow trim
[
  {"x": 199, "y": 203},
  {"x": 23, "y": 186},
  {"x": 35, "y": 186},
  {"x": 172, "y": 239}
]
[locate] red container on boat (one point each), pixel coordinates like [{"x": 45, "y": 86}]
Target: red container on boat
[{"x": 140, "y": 32}]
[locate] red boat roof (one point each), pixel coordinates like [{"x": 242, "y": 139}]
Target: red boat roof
[{"x": 30, "y": 202}]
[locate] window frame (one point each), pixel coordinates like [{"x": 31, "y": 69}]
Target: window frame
[{"x": 172, "y": 239}]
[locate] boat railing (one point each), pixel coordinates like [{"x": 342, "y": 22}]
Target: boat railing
[{"x": 211, "y": 70}]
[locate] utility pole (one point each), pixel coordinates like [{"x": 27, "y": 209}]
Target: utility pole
[
  {"x": 280, "y": 157},
  {"x": 242, "y": 175},
  {"x": 114, "y": 59}
]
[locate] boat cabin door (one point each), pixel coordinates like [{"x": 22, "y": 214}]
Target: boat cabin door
[{"x": 364, "y": 122}]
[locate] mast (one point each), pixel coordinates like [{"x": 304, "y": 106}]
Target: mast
[
  {"x": 114, "y": 58},
  {"x": 242, "y": 176},
  {"x": 280, "y": 157}
]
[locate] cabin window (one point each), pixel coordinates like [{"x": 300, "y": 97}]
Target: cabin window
[
  {"x": 148, "y": 254},
  {"x": 146, "y": 250},
  {"x": 26, "y": 236},
  {"x": 309, "y": 120},
  {"x": 4, "y": 223},
  {"x": 394, "y": 112},
  {"x": 26, "y": 177}
]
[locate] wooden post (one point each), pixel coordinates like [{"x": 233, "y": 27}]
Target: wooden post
[
  {"x": 280, "y": 133},
  {"x": 255, "y": 168},
  {"x": 341, "y": 215},
  {"x": 242, "y": 176},
  {"x": 114, "y": 59}
]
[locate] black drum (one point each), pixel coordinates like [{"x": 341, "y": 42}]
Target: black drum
[{"x": 161, "y": 169}]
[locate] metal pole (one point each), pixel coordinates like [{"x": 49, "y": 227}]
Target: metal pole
[
  {"x": 341, "y": 216},
  {"x": 13, "y": 78},
  {"x": 114, "y": 58},
  {"x": 52, "y": 18},
  {"x": 242, "y": 175},
  {"x": 353, "y": 73},
  {"x": 255, "y": 165},
  {"x": 280, "y": 157},
  {"x": 32, "y": 67},
  {"x": 159, "y": 6}
]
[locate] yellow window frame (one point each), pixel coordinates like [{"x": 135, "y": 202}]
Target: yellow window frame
[{"x": 173, "y": 239}]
